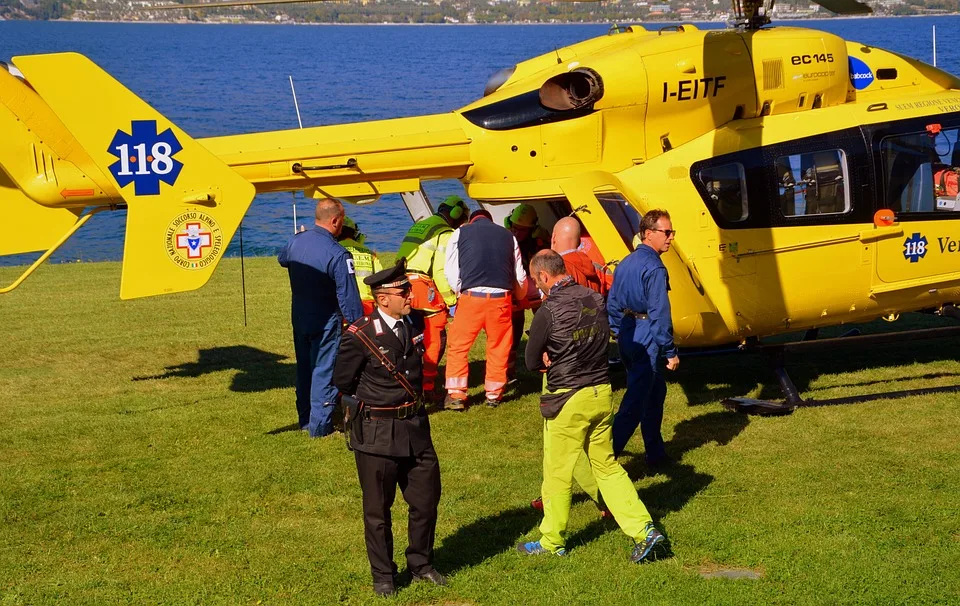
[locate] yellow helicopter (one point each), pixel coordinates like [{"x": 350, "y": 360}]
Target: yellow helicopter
[{"x": 813, "y": 179}]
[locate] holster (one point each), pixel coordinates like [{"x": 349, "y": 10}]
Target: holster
[{"x": 352, "y": 424}]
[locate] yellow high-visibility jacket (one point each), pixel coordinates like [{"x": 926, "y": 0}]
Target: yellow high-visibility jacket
[
  {"x": 365, "y": 263},
  {"x": 425, "y": 249}
]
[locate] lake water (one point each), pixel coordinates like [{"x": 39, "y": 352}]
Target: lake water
[{"x": 226, "y": 79}]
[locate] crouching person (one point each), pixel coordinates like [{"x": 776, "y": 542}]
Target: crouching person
[
  {"x": 569, "y": 338},
  {"x": 379, "y": 370}
]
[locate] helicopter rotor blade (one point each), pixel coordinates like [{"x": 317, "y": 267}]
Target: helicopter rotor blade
[
  {"x": 845, "y": 7},
  {"x": 164, "y": 7}
]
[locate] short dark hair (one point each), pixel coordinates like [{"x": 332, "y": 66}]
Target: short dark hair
[
  {"x": 650, "y": 220},
  {"x": 481, "y": 212},
  {"x": 549, "y": 261}
]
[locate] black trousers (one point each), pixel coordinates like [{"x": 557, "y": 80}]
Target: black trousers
[{"x": 419, "y": 480}]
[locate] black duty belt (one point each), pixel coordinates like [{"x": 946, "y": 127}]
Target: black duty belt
[
  {"x": 486, "y": 295},
  {"x": 640, "y": 315},
  {"x": 403, "y": 411}
]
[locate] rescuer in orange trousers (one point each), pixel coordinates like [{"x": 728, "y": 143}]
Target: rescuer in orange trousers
[{"x": 483, "y": 266}]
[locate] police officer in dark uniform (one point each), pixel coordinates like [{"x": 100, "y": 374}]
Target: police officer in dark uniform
[
  {"x": 380, "y": 370},
  {"x": 324, "y": 294},
  {"x": 639, "y": 314}
]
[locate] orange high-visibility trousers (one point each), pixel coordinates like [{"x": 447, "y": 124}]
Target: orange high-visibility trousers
[
  {"x": 428, "y": 301},
  {"x": 492, "y": 315}
]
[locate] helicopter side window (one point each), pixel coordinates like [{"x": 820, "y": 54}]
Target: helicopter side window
[
  {"x": 623, "y": 216},
  {"x": 727, "y": 190},
  {"x": 922, "y": 171},
  {"x": 813, "y": 183}
]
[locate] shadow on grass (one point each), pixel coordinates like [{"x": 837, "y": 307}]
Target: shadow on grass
[
  {"x": 683, "y": 480},
  {"x": 706, "y": 380},
  {"x": 258, "y": 370},
  {"x": 484, "y": 538}
]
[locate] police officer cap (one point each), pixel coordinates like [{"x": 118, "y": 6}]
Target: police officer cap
[{"x": 391, "y": 277}]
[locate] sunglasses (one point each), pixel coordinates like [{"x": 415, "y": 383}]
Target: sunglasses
[
  {"x": 403, "y": 292},
  {"x": 666, "y": 232}
]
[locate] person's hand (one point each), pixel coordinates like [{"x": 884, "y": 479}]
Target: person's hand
[
  {"x": 302, "y": 229},
  {"x": 546, "y": 360},
  {"x": 673, "y": 363}
]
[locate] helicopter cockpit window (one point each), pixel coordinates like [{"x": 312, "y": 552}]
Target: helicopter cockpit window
[
  {"x": 921, "y": 171},
  {"x": 727, "y": 189},
  {"x": 813, "y": 183},
  {"x": 623, "y": 216}
]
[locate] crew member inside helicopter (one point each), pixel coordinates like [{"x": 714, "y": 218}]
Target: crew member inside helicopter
[{"x": 524, "y": 224}]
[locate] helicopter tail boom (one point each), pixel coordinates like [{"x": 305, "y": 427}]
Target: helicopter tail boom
[{"x": 357, "y": 162}]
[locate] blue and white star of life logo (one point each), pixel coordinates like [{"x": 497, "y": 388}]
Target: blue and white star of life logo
[
  {"x": 915, "y": 247},
  {"x": 145, "y": 157}
]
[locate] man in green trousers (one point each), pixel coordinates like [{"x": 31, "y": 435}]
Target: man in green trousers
[{"x": 569, "y": 338}]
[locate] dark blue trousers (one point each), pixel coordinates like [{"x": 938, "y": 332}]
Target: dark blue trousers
[
  {"x": 316, "y": 396},
  {"x": 642, "y": 403}
]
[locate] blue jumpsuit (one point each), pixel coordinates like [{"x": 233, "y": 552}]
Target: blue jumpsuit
[
  {"x": 324, "y": 294},
  {"x": 640, "y": 285}
]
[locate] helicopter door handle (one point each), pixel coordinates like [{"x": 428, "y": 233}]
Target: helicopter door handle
[{"x": 872, "y": 235}]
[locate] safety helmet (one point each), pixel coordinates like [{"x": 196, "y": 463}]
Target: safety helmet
[
  {"x": 523, "y": 215},
  {"x": 456, "y": 206},
  {"x": 352, "y": 231}
]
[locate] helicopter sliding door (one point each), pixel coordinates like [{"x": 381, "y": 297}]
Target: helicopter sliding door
[
  {"x": 919, "y": 165},
  {"x": 610, "y": 219}
]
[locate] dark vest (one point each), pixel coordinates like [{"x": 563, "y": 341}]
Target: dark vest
[
  {"x": 577, "y": 346},
  {"x": 486, "y": 256}
]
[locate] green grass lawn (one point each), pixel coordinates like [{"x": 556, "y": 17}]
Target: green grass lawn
[{"x": 143, "y": 460}]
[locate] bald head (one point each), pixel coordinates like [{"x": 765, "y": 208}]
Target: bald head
[
  {"x": 329, "y": 215},
  {"x": 566, "y": 235}
]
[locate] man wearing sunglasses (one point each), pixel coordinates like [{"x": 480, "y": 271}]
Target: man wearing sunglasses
[
  {"x": 380, "y": 367},
  {"x": 639, "y": 314}
]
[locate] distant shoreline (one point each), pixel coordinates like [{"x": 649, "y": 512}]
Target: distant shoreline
[{"x": 506, "y": 23}]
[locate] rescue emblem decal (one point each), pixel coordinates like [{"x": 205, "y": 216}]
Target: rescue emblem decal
[
  {"x": 194, "y": 240},
  {"x": 915, "y": 247},
  {"x": 145, "y": 157}
]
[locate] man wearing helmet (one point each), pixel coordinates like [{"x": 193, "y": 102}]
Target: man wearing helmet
[
  {"x": 424, "y": 247},
  {"x": 524, "y": 223},
  {"x": 365, "y": 261}
]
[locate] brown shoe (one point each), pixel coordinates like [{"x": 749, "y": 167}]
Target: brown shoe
[{"x": 453, "y": 403}]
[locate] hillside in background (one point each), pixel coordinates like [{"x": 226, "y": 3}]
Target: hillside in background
[{"x": 442, "y": 11}]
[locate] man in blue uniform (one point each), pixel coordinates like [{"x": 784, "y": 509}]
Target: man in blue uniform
[
  {"x": 639, "y": 314},
  {"x": 324, "y": 295}
]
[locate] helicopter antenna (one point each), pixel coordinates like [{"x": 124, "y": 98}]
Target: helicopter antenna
[
  {"x": 934, "y": 45},
  {"x": 557, "y": 51},
  {"x": 296, "y": 106}
]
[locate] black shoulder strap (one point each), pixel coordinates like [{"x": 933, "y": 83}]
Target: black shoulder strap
[{"x": 371, "y": 346}]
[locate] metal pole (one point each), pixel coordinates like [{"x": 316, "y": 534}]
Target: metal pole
[{"x": 243, "y": 280}]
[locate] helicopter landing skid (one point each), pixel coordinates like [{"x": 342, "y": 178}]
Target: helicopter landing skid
[{"x": 776, "y": 355}]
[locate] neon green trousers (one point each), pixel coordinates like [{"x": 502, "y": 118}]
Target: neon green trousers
[{"x": 585, "y": 423}]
